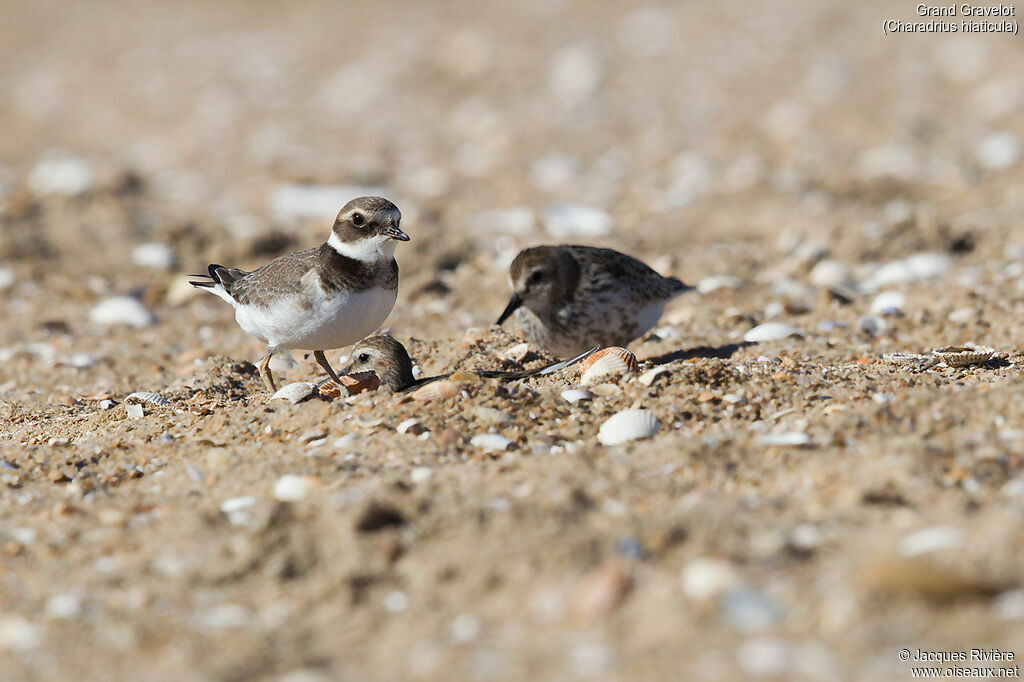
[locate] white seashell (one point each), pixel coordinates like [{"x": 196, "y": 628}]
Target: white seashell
[
  {"x": 770, "y": 331},
  {"x": 830, "y": 273},
  {"x": 146, "y": 397},
  {"x": 888, "y": 303},
  {"x": 517, "y": 352},
  {"x": 628, "y": 425},
  {"x": 154, "y": 255},
  {"x": 715, "y": 282},
  {"x": 134, "y": 411},
  {"x": 575, "y": 395},
  {"x": 491, "y": 441},
  {"x": 295, "y": 392},
  {"x": 607, "y": 362},
  {"x": 651, "y": 375},
  {"x": 121, "y": 310},
  {"x": 961, "y": 356},
  {"x": 6, "y": 278},
  {"x": 785, "y": 438},
  {"x": 292, "y": 488},
  {"x": 411, "y": 426}
]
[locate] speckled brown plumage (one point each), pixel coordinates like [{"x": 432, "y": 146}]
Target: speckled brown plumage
[{"x": 569, "y": 298}]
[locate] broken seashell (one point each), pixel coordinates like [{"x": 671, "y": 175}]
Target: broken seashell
[
  {"x": 517, "y": 353},
  {"x": 770, "y": 331},
  {"x": 651, "y": 375},
  {"x": 134, "y": 411},
  {"x": 607, "y": 361},
  {"x": 575, "y": 395},
  {"x": 961, "y": 356},
  {"x": 905, "y": 358},
  {"x": 141, "y": 397},
  {"x": 628, "y": 425},
  {"x": 464, "y": 377},
  {"x": 329, "y": 389},
  {"x": 411, "y": 426},
  {"x": 360, "y": 381},
  {"x": 295, "y": 392},
  {"x": 491, "y": 441},
  {"x": 437, "y": 390}
]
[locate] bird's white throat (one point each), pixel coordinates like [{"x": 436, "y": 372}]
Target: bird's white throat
[{"x": 369, "y": 250}]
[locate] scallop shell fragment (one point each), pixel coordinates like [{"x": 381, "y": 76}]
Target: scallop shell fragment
[
  {"x": 961, "y": 356},
  {"x": 606, "y": 362},
  {"x": 140, "y": 397},
  {"x": 295, "y": 392},
  {"x": 628, "y": 425},
  {"x": 906, "y": 358},
  {"x": 437, "y": 390},
  {"x": 354, "y": 384}
]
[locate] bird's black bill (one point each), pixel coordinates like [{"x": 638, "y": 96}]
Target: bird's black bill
[
  {"x": 395, "y": 233},
  {"x": 514, "y": 303}
]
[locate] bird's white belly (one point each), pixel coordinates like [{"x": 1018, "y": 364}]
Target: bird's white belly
[{"x": 327, "y": 322}]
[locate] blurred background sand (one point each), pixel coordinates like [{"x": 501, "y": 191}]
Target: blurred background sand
[{"x": 770, "y": 152}]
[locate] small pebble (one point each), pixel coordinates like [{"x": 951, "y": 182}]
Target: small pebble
[
  {"x": 748, "y": 610},
  {"x": 492, "y": 442},
  {"x": 872, "y": 325},
  {"x": 765, "y": 657},
  {"x": 64, "y": 175},
  {"x": 154, "y": 255},
  {"x": 715, "y": 282},
  {"x": 575, "y": 220},
  {"x": 795, "y": 438},
  {"x": 999, "y": 151},
  {"x": 121, "y": 310},
  {"x": 932, "y": 539},
  {"x": 575, "y": 395},
  {"x": 292, "y": 488},
  {"x": 888, "y": 303},
  {"x": 706, "y": 578}
]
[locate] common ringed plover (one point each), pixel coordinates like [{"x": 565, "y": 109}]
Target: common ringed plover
[{"x": 322, "y": 298}]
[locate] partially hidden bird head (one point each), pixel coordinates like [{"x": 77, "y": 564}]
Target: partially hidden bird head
[
  {"x": 387, "y": 358},
  {"x": 542, "y": 277},
  {"x": 367, "y": 228}
]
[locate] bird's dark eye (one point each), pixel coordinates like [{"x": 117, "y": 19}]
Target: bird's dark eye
[
  {"x": 364, "y": 357},
  {"x": 358, "y": 219},
  {"x": 535, "y": 277}
]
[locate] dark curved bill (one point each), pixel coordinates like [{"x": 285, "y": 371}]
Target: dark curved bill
[{"x": 514, "y": 304}]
